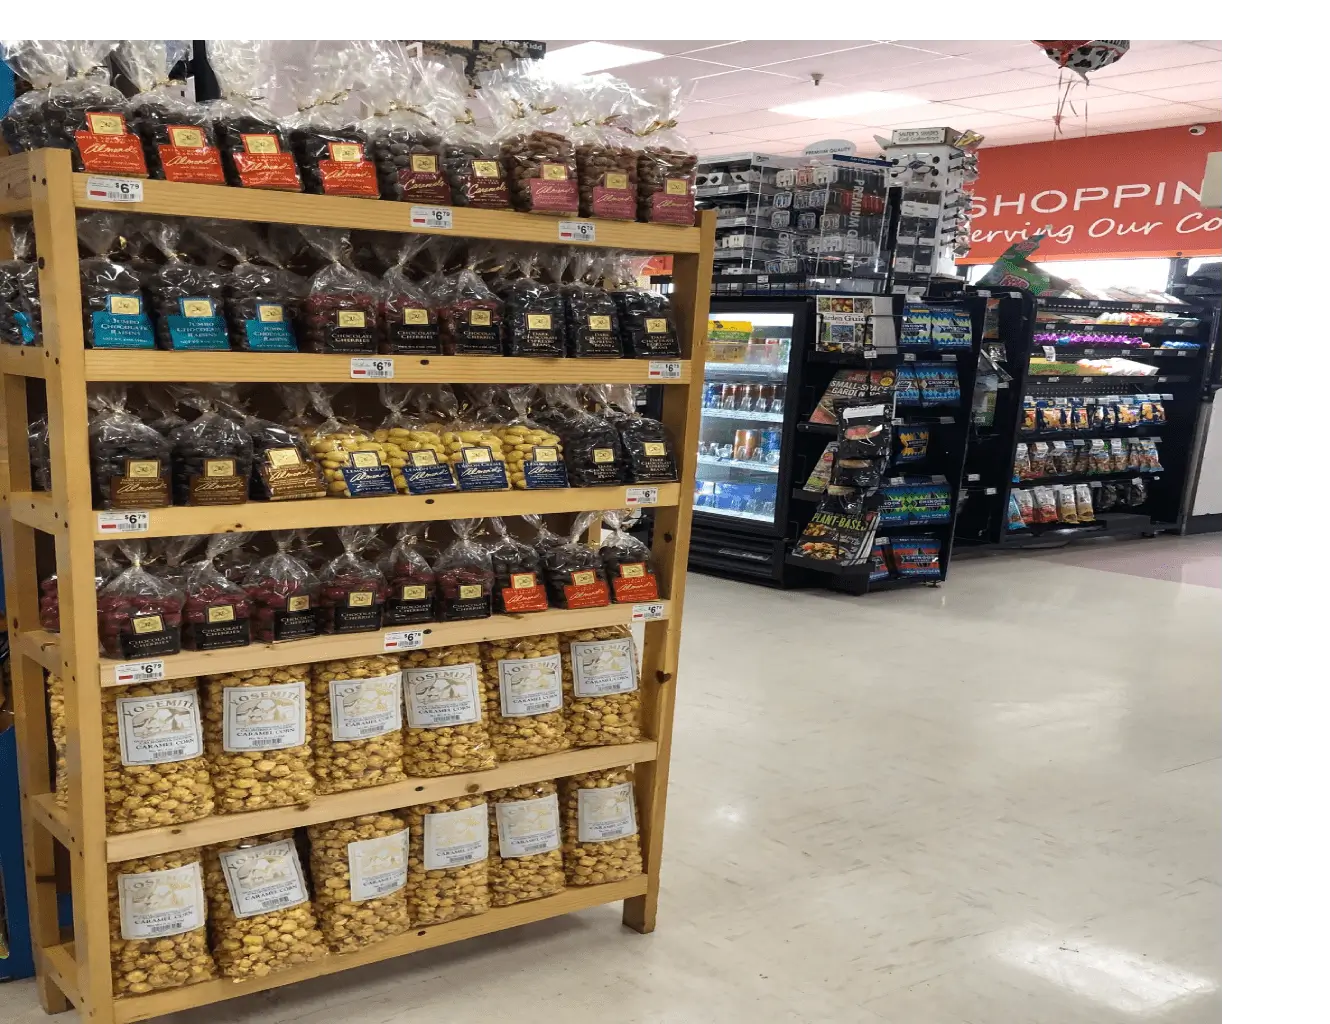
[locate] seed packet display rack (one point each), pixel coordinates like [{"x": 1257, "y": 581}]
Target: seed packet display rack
[{"x": 75, "y": 971}]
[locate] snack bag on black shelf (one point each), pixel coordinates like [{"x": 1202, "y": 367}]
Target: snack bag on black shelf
[
  {"x": 178, "y": 143},
  {"x": 574, "y": 572},
  {"x": 646, "y": 318},
  {"x": 863, "y": 447},
  {"x": 916, "y": 557},
  {"x": 1029, "y": 415},
  {"x": 1078, "y": 415},
  {"x": 1148, "y": 456},
  {"x": 1060, "y": 459},
  {"x": 895, "y": 504},
  {"x": 1051, "y": 416},
  {"x": 911, "y": 445},
  {"x": 1084, "y": 503},
  {"x": 590, "y": 314},
  {"x": 1066, "y": 498},
  {"x": 1025, "y": 502},
  {"x": 908, "y": 395},
  {"x": 629, "y": 565},
  {"x": 646, "y": 441},
  {"x": 1136, "y": 491},
  {"x": 1098, "y": 456},
  {"x": 1117, "y": 455},
  {"x": 1020, "y": 467},
  {"x": 939, "y": 384},
  {"x": 1045, "y": 505},
  {"x": 1128, "y": 412},
  {"x": 854, "y": 387},
  {"x": 841, "y": 531},
  {"x": 519, "y": 575},
  {"x": 1015, "y": 518},
  {"x": 1080, "y": 457},
  {"x": 930, "y": 502},
  {"x": 1040, "y": 462}
]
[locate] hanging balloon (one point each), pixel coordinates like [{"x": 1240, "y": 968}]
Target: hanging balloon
[{"x": 1083, "y": 55}]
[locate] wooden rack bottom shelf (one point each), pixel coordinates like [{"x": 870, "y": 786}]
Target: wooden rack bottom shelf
[{"x": 60, "y": 959}]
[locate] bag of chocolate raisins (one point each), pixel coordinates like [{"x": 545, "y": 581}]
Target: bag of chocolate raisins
[
  {"x": 115, "y": 311},
  {"x": 256, "y": 147},
  {"x": 470, "y": 316},
  {"x": 406, "y": 142},
  {"x": 592, "y": 447},
  {"x": 412, "y": 585},
  {"x": 131, "y": 462},
  {"x": 629, "y": 567},
  {"x": 574, "y": 574},
  {"x": 340, "y": 314},
  {"x": 187, "y": 299},
  {"x": 591, "y": 316},
  {"x": 647, "y": 442},
  {"x": 331, "y": 150},
  {"x": 284, "y": 592},
  {"x": 532, "y": 126},
  {"x": 211, "y": 457},
  {"x": 42, "y": 64},
  {"x": 217, "y": 610},
  {"x": 607, "y": 152},
  {"x": 408, "y": 313},
  {"x": 647, "y": 325},
  {"x": 533, "y": 316},
  {"x": 138, "y": 612},
  {"x": 177, "y": 143},
  {"x": 666, "y": 169},
  {"x": 471, "y": 155},
  {"x": 352, "y": 589},
  {"x": 15, "y": 328},
  {"x": 519, "y": 576},
  {"x": 262, "y": 301},
  {"x": 463, "y": 575}
]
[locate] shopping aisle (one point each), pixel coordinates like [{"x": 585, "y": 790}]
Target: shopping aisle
[{"x": 994, "y": 803}]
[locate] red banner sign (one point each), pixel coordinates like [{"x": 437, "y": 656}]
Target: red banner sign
[{"x": 1136, "y": 194}]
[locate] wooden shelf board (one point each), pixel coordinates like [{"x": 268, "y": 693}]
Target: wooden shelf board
[
  {"x": 106, "y": 364},
  {"x": 25, "y": 360},
  {"x": 221, "y": 828},
  {"x": 44, "y": 647},
  {"x": 52, "y": 818},
  {"x": 179, "y": 200},
  {"x": 37, "y": 509},
  {"x": 60, "y": 959}
]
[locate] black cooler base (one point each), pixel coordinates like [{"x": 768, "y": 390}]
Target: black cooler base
[{"x": 736, "y": 555}]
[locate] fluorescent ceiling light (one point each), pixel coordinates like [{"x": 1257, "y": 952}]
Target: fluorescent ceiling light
[
  {"x": 850, "y": 103},
  {"x": 585, "y": 58}
]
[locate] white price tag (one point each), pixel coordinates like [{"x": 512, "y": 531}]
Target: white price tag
[
  {"x": 1050, "y": 353},
  {"x": 438, "y": 218},
  {"x": 403, "y": 640},
  {"x": 649, "y": 612},
  {"x": 990, "y": 490},
  {"x": 371, "y": 369},
  {"x": 642, "y": 496},
  {"x": 115, "y": 190},
  {"x": 577, "y": 231},
  {"x": 948, "y": 357},
  {"x": 947, "y": 419},
  {"x": 140, "y": 672},
  {"x": 972, "y": 477},
  {"x": 121, "y": 522},
  {"x": 658, "y": 370},
  {"x": 909, "y": 357}
]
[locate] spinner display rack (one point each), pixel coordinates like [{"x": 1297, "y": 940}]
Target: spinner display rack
[
  {"x": 76, "y": 971},
  {"x": 945, "y": 461},
  {"x": 1181, "y": 381}
]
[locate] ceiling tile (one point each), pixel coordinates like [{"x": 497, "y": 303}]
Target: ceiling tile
[
  {"x": 823, "y": 129},
  {"x": 683, "y": 68},
  {"x": 667, "y": 47},
  {"x": 1097, "y": 101},
  {"x": 984, "y": 120},
  {"x": 1005, "y": 101},
  {"x": 1209, "y": 44},
  {"x": 1166, "y": 78},
  {"x": 980, "y": 84},
  {"x": 748, "y": 84},
  {"x": 937, "y": 113},
  {"x": 1205, "y": 93},
  {"x": 756, "y": 53},
  {"x": 968, "y": 47}
]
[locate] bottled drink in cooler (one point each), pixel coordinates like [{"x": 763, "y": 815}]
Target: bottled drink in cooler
[
  {"x": 711, "y": 396},
  {"x": 728, "y": 396},
  {"x": 746, "y": 397},
  {"x": 777, "y": 398},
  {"x": 770, "y": 446},
  {"x": 745, "y": 444}
]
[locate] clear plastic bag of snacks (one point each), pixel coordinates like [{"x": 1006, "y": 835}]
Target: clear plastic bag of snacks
[
  {"x": 447, "y": 730},
  {"x": 476, "y": 450},
  {"x": 591, "y": 317},
  {"x": 602, "y": 705},
  {"x": 545, "y": 539},
  {"x": 283, "y": 468},
  {"x": 436, "y": 406},
  {"x": 352, "y": 590},
  {"x": 341, "y": 307},
  {"x": 629, "y": 565},
  {"x": 607, "y": 152},
  {"x": 138, "y": 612},
  {"x": 42, "y": 64},
  {"x": 153, "y": 756},
  {"x": 524, "y": 696},
  {"x": 417, "y": 455},
  {"x": 471, "y": 154},
  {"x": 39, "y": 453},
  {"x": 412, "y": 588},
  {"x": 525, "y": 856},
  {"x": 105, "y": 567},
  {"x": 115, "y": 312},
  {"x": 666, "y": 169},
  {"x": 20, "y": 309},
  {"x": 448, "y": 874},
  {"x": 533, "y": 316},
  {"x": 177, "y": 143},
  {"x": 257, "y": 735},
  {"x": 532, "y": 127},
  {"x": 256, "y": 147},
  {"x": 159, "y": 920},
  {"x": 169, "y": 557},
  {"x": 131, "y": 462},
  {"x": 406, "y": 310},
  {"x": 519, "y": 576},
  {"x": 533, "y": 455},
  {"x": 470, "y": 316},
  {"x": 331, "y": 150},
  {"x": 262, "y": 300},
  {"x": 359, "y": 869},
  {"x": 647, "y": 323},
  {"x": 217, "y": 611},
  {"x": 284, "y": 592},
  {"x": 187, "y": 299},
  {"x": 260, "y": 918},
  {"x": 600, "y": 838},
  {"x": 212, "y": 455},
  {"x": 357, "y": 714},
  {"x": 593, "y": 450},
  {"x": 464, "y": 575},
  {"x": 406, "y": 141},
  {"x": 646, "y": 441},
  {"x": 574, "y": 575},
  {"x": 354, "y": 464}
]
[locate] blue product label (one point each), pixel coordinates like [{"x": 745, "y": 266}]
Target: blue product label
[
  {"x": 930, "y": 503},
  {"x": 269, "y": 336},
  {"x": 426, "y": 475},
  {"x": 122, "y": 324},
  {"x": 480, "y": 471},
  {"x": 198, "y": 326},
  {"x": 915, "y": 327},
  {"x": 25, "y": 330},
  {"x": 895, "y": 506},
  {"x": 367, "y": 477},
  {"x": 545, "y": 469}
]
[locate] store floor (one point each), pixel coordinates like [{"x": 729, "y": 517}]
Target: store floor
[{"x": 992, "y": 803}]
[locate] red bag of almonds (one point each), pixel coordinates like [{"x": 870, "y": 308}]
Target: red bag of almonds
[
  {"x": 666, "y": 169},
  {"x": 533, "y": 125},
  {"x": 256, "y": 147},
  {"x": 331, "y": 151}
]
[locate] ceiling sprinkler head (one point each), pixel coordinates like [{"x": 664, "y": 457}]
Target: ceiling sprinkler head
[{"x": 817, "y": 77}]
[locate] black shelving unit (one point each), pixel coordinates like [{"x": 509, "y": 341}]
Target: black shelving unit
[{"x": 1181, "y": 381}]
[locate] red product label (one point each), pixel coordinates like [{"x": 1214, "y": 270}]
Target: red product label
[
  {"x": 586, "y": 595},
  {"x": 628, "y": 589},
  {"x": 553, "y": 196},
  {"x": 427, "y": 186},
  {"x": 522, "y": 595},
  {"x": 348, "y": 173},
  {"x": 200, "y": 165},
  {"x": 671, "y": 209},
  {"x": 107, "y": 147},
  {"x": 267, "y": 170},
  {"x": 615, "y": 203}
]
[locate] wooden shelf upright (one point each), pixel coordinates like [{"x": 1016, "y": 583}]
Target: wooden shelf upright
[{"x": 77, "y": 971}]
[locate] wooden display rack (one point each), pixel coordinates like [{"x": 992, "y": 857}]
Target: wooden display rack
[{"x": 78, "y": 972}]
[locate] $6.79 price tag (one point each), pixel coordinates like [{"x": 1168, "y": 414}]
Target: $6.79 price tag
[
  {"x": 115, "y": 190},
  {"x": 438, "y": 217},
  {"x": 109, "y": 523},
  {"x": 649, "y": 612},
  {"x": 659, "y": 370},
  {"x": 577, "y": 231},
  {"x": 140, "y": 672},
  {"x": 371, "y": 369},
  {"x": 403, "y": 640},
  {"x": 642, "y": 496}
]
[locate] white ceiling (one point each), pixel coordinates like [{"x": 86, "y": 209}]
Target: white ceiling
[{"x": 1006, "y": 90}]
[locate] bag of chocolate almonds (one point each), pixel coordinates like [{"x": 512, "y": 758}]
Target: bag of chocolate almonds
[
  {"x": 331, "y": 150},
  {"x": 256, "y": 146},
  {"x": 533, "y": 122},
  {"x": 178, "y": 144},
  {"x": 406, "y": 141},
  {"x": 666, "y": 168}
]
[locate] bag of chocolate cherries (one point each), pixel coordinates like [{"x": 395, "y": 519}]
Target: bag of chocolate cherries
[
  {"x": 284, "y": 592},
  {"x": 341, "y": 307},
  {"x": 408, "y": 313},
  {"x": 139, "y": 612},
  {"x": 256, "y": 147},
  {"x": 470, "y": 316},
  {"x": 464, "y": 575},
  {"x": 217, "y": 611},
  {"x": 178, "y": 143},
  {"x": 411, "y": 581},
  {"x": 352, "y": 589}
]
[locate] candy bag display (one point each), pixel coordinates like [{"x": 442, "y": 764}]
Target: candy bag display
[
  {"x": 533, "y": 456},
  {"x": 156, "y": 947},
  {"x": 471, "y": 155},
  {"x": 525, "y": 855},
  {"x": 283, "y": 468},
  {"x": 412, "y": 586},
  {"x": 532, "y": 129},
  {"x": 352, "y": 590},
  {"x": 646, "y": 318},
  {"x": 406, "y": 142},
  {"x": 138, "y": 612},
  {"x": 519, "y": 576},
  {"x": 177, "y": 143},
  {"x": 448, "y": 873},
  {"x": 407, "y": 312},
  {"x": 590, "y": 315},
  {"x": 217, "y": 611},
  {"x": 470, "y": 316},
  {"x": 284, "y": 591},
  {"x": 592, "y": 447},
  {"x": 115, "y": 313},
  {"x": 647, "y": 443},
  {"x": 476, "y": 453},
  {"x": 211, "y": 457},
  {"x": 330, "y": 150},
  {"x": 600, "y": 840},
  {"x": 417, "y": 456},
  {"x": 446, "y": 728},
  {"x": 358, "y": 866},
  {"x": 533, "y": 316},
  {"x": 131, "y": 462},
  {"x": 341, "y": 308},
  {"x": 666, "y": 171},
  {"x": 256, "y": 147},
  {"x": 628, "y": 563},
  {"x": 574, "y": 574},
  {"x": 465, "y": 576},
  {"x": 606, "y": 154},
  {"x": 262, "y": 301},
  {"x": 354, "y": 464},
  {"x": 602, "y": 705}
]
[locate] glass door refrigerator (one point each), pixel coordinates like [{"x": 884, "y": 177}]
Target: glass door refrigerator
[{"x": 744, "y": 483}]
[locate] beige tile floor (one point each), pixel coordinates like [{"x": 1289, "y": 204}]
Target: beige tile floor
[{"x": 992, "y": 803}]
